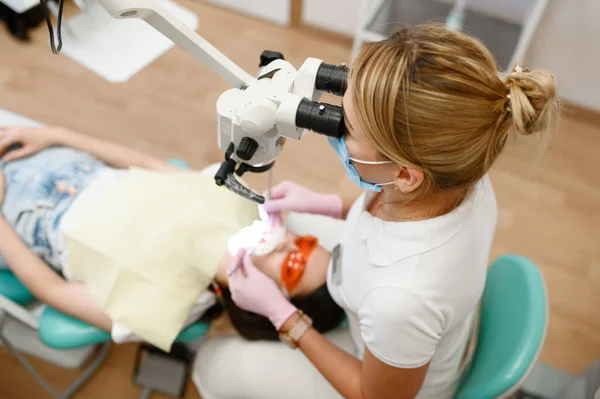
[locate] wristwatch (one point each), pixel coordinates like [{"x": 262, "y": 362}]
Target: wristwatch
[{"x": 297, "y": 331}]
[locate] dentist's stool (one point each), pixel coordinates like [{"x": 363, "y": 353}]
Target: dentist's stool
[{"x": 514, "y": 319}]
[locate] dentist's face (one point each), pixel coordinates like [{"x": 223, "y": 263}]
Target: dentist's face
[
  {"x": 360, "y": 148},
  {"x": 406, "y": 178}
]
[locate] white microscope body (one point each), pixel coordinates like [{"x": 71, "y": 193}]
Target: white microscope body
[{"x": 258, "y": 114}]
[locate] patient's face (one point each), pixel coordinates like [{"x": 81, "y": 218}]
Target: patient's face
[{"x": 270, "y": 264}]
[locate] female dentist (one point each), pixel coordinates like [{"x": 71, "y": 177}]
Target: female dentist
[{"x": 426, "y": 117}]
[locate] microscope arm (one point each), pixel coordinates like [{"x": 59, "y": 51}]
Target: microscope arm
[
  {"x": 257, "y": 114},
  {"x": 156, "y": 15}
]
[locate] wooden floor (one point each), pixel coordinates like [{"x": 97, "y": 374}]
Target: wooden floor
[{"x": 548, "y": 206}]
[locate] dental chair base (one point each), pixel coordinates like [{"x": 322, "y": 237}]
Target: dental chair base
[
  {"x": 26, "y": 340},
  {"x": 20, "y": 321},
  {"x": 157, "y": 371}
]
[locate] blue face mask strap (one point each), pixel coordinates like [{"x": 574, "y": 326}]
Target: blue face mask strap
[
  {"x": 374, "y": 163},
  {"x": 339, "y": 145}
]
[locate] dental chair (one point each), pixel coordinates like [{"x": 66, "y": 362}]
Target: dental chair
[
  {"x": 514, "y": 320},
  {"x": 26, "y": 326},
  {"x": 69, "y": 342},
  {"x": 60, "y": 339}
]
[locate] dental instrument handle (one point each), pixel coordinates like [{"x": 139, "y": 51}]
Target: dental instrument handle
[
  {"x": 234, "y": 185},
  {"x": 269, "y": 184},
  {"x": 239, "y": 262}
]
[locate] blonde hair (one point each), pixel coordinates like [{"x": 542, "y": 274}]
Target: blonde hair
[{"x": 432, "y": 99}]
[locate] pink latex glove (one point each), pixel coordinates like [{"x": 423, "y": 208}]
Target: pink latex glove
[
  {"x": 253, "y": 291},
  {"x": 275, "y": 221},
  {"x": 288, "y": 196}
]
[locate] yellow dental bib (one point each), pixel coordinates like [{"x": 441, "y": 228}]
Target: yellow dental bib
[{"x": 152, "y": 246}]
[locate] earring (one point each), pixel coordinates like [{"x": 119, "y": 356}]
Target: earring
[{"x": 396, "y": 188}]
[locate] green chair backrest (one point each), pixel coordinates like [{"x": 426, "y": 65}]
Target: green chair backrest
[
  {"x": 13, "y": 289},
  {"x": 514, "y": 317}
]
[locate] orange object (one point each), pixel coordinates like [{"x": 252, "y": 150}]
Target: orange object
[
  {"x": 219, "y": 293},
  {"x": 294, "y": 263}
]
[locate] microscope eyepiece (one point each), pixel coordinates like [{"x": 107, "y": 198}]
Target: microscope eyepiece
[
  {"x": 332, "y": 79},
  {"x": 321, "y": 118}
]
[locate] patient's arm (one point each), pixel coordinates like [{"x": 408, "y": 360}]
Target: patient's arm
[
  {"x": 113, "y": 154},
  {"x": 47, "y": 286},
  {"x": 34, "y": 139}
]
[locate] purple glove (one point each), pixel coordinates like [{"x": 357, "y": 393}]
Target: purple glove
[
  {"x": 253, "y": 291},
  {"x": 288, "y": 196}
]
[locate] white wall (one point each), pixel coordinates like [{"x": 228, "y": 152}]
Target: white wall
[
  {"x": 568, "y": 43},
  {"x": 342, "y": 15},
  {"x": 277, "y": 11},
  {"x": 335, "y": 15},
  {"x": 508, "y": 10}
]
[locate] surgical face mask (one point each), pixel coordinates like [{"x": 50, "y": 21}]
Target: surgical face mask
[{"x": 339, "y": 145}]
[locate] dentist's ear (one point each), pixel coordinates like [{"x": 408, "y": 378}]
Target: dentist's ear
[{"x": 408, "y": 179}]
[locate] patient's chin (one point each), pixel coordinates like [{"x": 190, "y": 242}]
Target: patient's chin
[{"x": 224, "y": 263}]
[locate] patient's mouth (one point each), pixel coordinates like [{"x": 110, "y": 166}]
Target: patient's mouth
[{"x": 260, "y": 238}]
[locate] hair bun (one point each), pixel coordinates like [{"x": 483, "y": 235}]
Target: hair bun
[{"x": 532, "y": 99}]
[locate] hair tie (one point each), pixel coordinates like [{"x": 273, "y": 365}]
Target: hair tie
[{"x": 519, "y": 69}]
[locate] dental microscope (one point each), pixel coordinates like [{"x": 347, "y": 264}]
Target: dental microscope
[{"x": 258, "y": 114}]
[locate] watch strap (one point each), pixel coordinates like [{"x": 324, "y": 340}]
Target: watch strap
[{"x": 298, "y": 330}]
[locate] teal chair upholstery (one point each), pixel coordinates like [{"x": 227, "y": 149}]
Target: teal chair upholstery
[
  {"x": 514, "y": 319},
  {"x": 179, "y": 162},
  {"x": 60, "y": 331},
  {"x": 12, "y": 289}
]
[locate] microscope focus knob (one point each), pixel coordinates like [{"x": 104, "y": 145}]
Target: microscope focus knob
[
  {"x": 269, "y": 56},
  {"x": 246, "y": 148}
]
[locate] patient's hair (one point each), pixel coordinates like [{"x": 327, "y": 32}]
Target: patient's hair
[{"x": 319, "y": 305}]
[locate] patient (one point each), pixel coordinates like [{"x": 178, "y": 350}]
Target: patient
[{"x": 45, "y": 171}]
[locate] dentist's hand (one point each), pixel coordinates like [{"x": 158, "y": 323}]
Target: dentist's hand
[
  {"x": 253, "y": 291},
  {"x": 288, "y": 196}
]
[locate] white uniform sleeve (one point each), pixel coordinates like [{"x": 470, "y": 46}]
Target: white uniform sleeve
[{"x": 399, "y": 328}]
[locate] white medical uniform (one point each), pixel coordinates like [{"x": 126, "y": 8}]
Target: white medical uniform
[{"x": 410, "y": 291}]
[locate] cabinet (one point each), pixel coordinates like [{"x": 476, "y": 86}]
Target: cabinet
[{"x": 505, "y": 27}]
